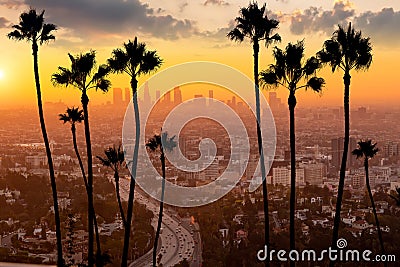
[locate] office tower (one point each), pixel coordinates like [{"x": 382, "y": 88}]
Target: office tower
[
  {"x": 233, "y": 102},
  {"x": 210, "y": 96},
  {"x": 127, "y": 95},
  {"x": 337, "y": 152},
  {"x": 201, "y": 102},
  {"x": 177, "y": 96},
  {"x": 391, "y": 149},
  {"x": 167, "y": 98},
  {"x": 313, "y": 173},
  {"x": 158, "y": 95},
  {"x": 117, "y": 96},
  {"x": 146, "y": 97}
]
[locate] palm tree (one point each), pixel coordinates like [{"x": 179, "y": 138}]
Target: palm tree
[
  {"x": 160, "y": 142},
  {"x": 367, "y": 150},
  {"x": 346, "y": 50},
  {"x": 254, "y": 24},
  {"x": 73, "y": 116},
  {"x": 289, "y": 69},
  {"x": 81, "y": 76},
  {"x": 135, "y": 60},
  {"x": 115, "y": 159},
  {"x": 32, "y": 28}
]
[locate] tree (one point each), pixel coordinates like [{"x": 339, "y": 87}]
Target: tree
[
  {"x": 288, "y": 71},
  {"x": 31, "y": 28},
  {"x": 159, "y": 143},
  {"x": 73, "y": 116},
  {"x": 115, "y": 159},
  {"x": 346, "y": 50},
  {"x": 135, "y": 60},
  {"x": 81, "y": 75},
  {"x": 254, "y": 24},
  {"x": 367, "y": 150}
]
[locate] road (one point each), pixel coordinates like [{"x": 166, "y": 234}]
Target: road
[{"x": 176, "y": 240}]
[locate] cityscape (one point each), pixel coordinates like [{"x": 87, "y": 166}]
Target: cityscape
[{"x": 199, "y": 134}]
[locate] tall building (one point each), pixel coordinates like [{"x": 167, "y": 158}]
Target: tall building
[
  {"x": 281, "y": 175},
  {"x": 127, "y": 95},
  {"x": 177, "y": 96},
  {"x": 158, "y": 95},
  {"x": 117, "y": 96},
  {"x": 167, "y": 98},
  {"x": 210, "y": 96},
  {"x": 314, "y": 173},
  {"x": 337, "y": 152},
  {"x": 391, "y": 149},
  {"x": 146, "y": 97}
]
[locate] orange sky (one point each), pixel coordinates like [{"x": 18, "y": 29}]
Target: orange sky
[{"x": 195, "y": 32}]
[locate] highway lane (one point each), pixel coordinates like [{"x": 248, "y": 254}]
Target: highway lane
[{"x": 176, "y": 242}]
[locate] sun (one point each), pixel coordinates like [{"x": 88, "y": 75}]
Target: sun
[{"x": 1, "y": 74}]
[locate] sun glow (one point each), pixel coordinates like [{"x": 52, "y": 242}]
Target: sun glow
[{"x": 1, "y": 74}]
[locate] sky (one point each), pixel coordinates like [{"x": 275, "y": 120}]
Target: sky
[{"x": 184, "y": 31}]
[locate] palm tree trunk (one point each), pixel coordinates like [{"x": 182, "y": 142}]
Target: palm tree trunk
[
  {"x": 73, "y": 130},
  {"x": 85, "y": 102},
  {"x": 292, "y": 104},
  {"x": 256, "y": 49},
  {"x": 121, "y": 210},
  {"x": 161, "y": 209},
  {"x": 60, "y": 260},
  {"x": 131, "y": 197},
  {"x": 342, "y": 173},
  {"x": 96, "y": 227},
  {"x": 371, "y": 198}
]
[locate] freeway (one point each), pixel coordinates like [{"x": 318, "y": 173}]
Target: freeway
[{"x": 176, "y": 241}]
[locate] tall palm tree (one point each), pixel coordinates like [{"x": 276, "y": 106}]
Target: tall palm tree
[
  {"x": 135, "y": 60},
  {"x": 346, "y": 50},
  {"x": 73, "y": 116},
  {"x": 31, "y": 28},
  {"x": 115, "y": 160},
  {"x": 288, "y": 71},
  {"x": 253, "y": 23},
  {"x": 160, "y": 143},
  {"x": 367, "y": 150},
  {"x": 82, "y": 75}
]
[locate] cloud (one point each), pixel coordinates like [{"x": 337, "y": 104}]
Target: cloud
[
  {"x": 316, "y": 19},
  {"x": 4, "y": 23},
  {"x": 216, "y": 3},
  {"x": 102, "y": 17},
  {"x": 12, "y": 4},
  {"x": 382, "y": 26}
]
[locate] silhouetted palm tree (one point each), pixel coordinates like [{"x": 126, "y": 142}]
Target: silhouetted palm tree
[
  {"x": 135, "y": 60},
  {"x": 289, "y": 69},
  {"x": 32, "y": 28},
  {"x": 253, "y": 23},
  {"x": 346, "y": 50},
  {"x": 81, "y": 75},
  {"x": 115, "y": 159},
  {"x": 73, "y": 116},
  {"x": 367, "y": 150},
  {"x": 159, "y": 143}
]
